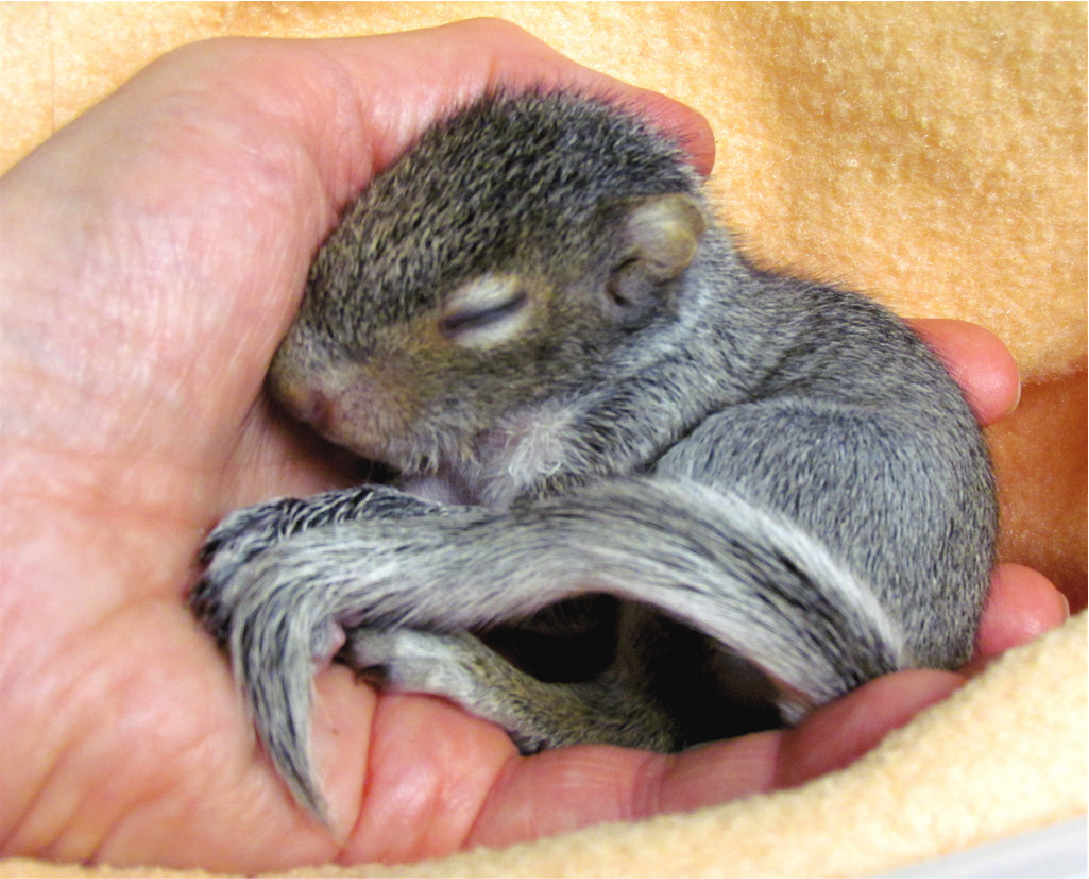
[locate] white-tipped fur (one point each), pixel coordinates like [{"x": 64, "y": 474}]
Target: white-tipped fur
[{"x": 524, "y": 448}]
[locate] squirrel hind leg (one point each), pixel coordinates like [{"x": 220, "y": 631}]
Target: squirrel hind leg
[{"x": 536, "y": 715}]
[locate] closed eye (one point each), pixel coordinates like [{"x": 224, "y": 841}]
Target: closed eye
[
  {"x": 486, "y": 311},
  {"x": 478, "y": 318}
]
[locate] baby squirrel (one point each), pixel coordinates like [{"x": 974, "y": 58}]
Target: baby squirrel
[{"x": 587, "y": 390}]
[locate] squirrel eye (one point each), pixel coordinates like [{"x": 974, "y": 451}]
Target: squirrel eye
[
  {"x": 479, "y": 318},
  {"x": 486, "y": 311}
]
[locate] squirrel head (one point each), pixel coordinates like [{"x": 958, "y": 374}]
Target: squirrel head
[{"x": 522, "y": 247}]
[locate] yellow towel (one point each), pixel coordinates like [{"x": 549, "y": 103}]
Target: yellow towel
[{"x": 933, "y": 156}]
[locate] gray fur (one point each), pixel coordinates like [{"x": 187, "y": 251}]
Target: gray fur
[{"x": 623, "y": 407}]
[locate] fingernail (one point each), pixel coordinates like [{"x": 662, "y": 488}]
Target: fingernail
[{"x": 1016, "y": 400}]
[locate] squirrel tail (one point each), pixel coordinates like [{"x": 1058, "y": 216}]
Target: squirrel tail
[{"x": 747, "y": 577}]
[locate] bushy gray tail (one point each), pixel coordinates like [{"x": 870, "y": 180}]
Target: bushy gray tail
[{"x": 746, "y": 577}]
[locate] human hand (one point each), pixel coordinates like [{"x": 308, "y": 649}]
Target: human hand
[{"x": 155, "y": 251}]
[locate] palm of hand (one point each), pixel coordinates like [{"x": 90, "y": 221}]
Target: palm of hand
[{"x": 148, "y": 308}]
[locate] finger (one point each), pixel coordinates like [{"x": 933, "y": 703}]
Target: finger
[
  {"x": 468, "y": 58},
  {"x": 692, "y": 130},
  {"x": 561, "y": 791},
  {"x": 430, "y": 772},
  {"x": 980, "y": 363},
  {"x": 440, "y": 780},
  {"x": 839, "y": 733},
  {"x": 565, "y": 790},
  {"x": 1022, "y": 604}
]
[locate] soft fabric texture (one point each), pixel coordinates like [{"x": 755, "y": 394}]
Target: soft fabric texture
[{"x": 933, "y": 156}]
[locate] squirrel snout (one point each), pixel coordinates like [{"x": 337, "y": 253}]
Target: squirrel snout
[
  {"x": 351, "y": 407},
  {"x": 305, "y": 401},
  {"x": 315, "y": 407}
]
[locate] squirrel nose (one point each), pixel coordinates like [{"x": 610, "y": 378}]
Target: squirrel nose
[
  {"x": 307, "y": 403},
  {"x": 316, "y": 409},
  {"x": 349, "y": 406}
]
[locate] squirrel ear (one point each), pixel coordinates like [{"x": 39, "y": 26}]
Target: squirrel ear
[
  {"x": 661, "y": 236},
  {"x": 663, "y": 233}
]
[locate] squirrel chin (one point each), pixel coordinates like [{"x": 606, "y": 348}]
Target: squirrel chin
[
  {"x": 523, "y": 448},
  {"x": 504, "y": 461}
]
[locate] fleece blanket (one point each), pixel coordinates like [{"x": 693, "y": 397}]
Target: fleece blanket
[{"x": 933, "y": 156}]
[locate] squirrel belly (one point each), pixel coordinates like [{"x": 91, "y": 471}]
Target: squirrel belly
[{"x": 587, "y": 391}]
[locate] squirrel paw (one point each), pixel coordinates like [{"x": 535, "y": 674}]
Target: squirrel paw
[
  {"x": 415, "y": 661},
  {"x": 459, "y": 667},
  {"x": 536, "y": 715}
]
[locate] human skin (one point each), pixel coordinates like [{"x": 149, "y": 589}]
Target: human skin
[{"x": 154, "y": 254}]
